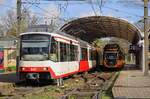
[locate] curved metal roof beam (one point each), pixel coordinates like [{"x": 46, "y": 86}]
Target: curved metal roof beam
[{"x": 106, "y": 23}]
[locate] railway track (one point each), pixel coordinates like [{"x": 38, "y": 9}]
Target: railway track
[{"x": 95, "y": 84}]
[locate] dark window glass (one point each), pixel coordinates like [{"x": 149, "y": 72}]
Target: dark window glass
[
  {"x": 68, "y": 52},
  {"x": 63, "y": 52},
  {"x": 84, "y": 55},
  {"x": 73, "y": 52},
  {"x": 92, "y": 54},
  {"x": 111, "y": 55},
  {"x": 35, "y": 37},
  {"x": 54, "y": 50},
  {"x": 76, "y": 52}
]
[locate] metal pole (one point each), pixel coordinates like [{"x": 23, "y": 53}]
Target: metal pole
[
  {"x": 18, "y": 32},
  {"x": 18, "y": 16},
  {"x": 146, "y": 41}
]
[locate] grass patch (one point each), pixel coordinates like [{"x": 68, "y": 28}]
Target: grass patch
[
  {"x": 2, "y": 70},
  {"x": 42, "y": 96},
  {"x": 11, "y": 68},
  {"x": 52, "y": 92},
  {"x": 55, "y": 92}
]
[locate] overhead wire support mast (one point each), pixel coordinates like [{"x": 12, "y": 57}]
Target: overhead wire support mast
[
  {"x": 146, "y": 41},
  {"x": 18, "y": 32}
]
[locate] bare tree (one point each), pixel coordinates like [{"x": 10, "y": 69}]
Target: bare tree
[{"x": 9, "y": 21}]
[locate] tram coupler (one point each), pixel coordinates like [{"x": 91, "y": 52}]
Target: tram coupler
[{"x": 33, "y": 76}]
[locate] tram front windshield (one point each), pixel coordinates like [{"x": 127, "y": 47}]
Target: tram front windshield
[
  {"x": 111, "y": 55},
  {"x": 34, "y": 47}
]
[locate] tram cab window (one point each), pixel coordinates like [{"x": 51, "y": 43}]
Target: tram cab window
[
  {"x": 34, "y": 47},
  {"x": 54, "y": 50},
  {"x": 111, "y": 55},
  {"x": 84, "y": 55}
]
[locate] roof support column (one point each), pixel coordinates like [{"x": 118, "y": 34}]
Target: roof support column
[{"x": 146, "y": 45}]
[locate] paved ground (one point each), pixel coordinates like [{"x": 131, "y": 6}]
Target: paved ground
[
  {"x": 8, "y": 77},
  {"x": 131, "y": 84}
]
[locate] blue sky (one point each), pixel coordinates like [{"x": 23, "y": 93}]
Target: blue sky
[{"x": 116, "y": 8}]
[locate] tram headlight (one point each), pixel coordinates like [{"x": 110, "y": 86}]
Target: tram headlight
[
  {"x": 22, "y": 68},
  {"x": 45, "y": 68}
]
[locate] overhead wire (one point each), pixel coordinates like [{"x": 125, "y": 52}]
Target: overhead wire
[
  {"x": 40, "y": 8},
  {"x": 92, "y": 6},
  {"x": 47, "y": 16},
  {"x": 121, "y": 11},
  {"x": 100, "y": 3}
]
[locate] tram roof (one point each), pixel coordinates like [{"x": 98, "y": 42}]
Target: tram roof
[
  {"x": 62, "y": 35},
  {"x": 89, "y": 28}
]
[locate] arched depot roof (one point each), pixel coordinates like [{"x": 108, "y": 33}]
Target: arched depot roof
[{"x": 89, "y": 28}]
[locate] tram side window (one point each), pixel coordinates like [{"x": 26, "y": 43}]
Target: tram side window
[
  {"x": 68, "y": 52},
  {"x": 93, "y": 54},
  {"x": 90, "y": 54},
  {"x": 84, "y": 55},
  {"x": 76, "y": 52},
  {"x": 73, "y": 53},
  {"x": 54, "y": 50},
  {"x": 63, "y": 52}
]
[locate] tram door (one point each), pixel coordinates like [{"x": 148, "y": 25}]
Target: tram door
[
  {"x": 64, "y": 57},
  {"x": 84, "y": 60}
]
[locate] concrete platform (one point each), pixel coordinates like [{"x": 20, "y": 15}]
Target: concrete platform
[{"x": 131, "y": 84}]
